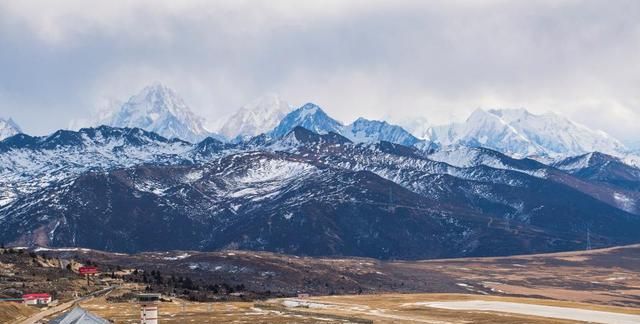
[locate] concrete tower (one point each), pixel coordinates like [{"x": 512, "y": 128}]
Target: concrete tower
[{"x": 148, "y": 308}]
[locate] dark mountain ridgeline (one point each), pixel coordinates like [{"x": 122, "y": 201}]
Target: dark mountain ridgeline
[{"x": 303, "y": 193}]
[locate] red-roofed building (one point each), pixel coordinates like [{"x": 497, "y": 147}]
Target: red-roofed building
[{"x": 36, "y": 299}]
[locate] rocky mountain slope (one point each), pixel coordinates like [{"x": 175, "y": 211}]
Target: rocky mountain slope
[
  {"x": 603, "y": 168},
  {"x": 122, "y": 189}
]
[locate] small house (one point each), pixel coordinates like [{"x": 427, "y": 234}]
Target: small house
[{"x": 36, "y": 299}]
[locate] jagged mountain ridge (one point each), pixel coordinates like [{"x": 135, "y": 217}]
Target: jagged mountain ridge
[
  {"x": 603, "y": 168},
  {"x": 409, "y": 166},
  {"x": 28, "y": 163},
  {"x": 258, "y": 200},
  {"x": 515, "y": 132},
  {"x": 309, "y": 116},
  {"x": 312, "y": 117},
  {"x": 364, "y": 130},
  {"x": 228, "y": 195}
]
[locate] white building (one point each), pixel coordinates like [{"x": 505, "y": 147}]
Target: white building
[{"x": 36, "y": 299}]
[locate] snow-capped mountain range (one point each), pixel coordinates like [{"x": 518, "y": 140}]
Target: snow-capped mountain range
[
  {"x": 28, "y": 164},
  {"x": 516, "y": 132},
  {"x": 362, "y": 130},
  {"x": 304, "y": 193},
  {"x": 8, "y": 128},
  {"x": 299, "y": 181},
  {"x": 520, "y": 133}
]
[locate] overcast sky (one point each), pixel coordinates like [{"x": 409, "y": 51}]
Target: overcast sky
[{"x": 61, "y": 60}]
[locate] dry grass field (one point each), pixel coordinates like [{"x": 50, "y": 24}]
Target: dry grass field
[
  {"x": 408, "y": 308},
  {"x": 606, "y": 276},
  {"x": 10, "y": 311},
  {"x": 179, "y": 311},
  {"x": 383, "y": 308},
  {"x": 606, "y": 280}
]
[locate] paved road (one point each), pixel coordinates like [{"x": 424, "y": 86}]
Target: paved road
[
  {"x": 567, "y": 313},
  {"x": 62, "y": 307}
]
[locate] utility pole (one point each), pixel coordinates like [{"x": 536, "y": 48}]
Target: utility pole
[
  {"x": 391, "y": 208},
  {"x": 588, "y": 239}
]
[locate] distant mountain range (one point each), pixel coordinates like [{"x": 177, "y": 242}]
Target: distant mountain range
[
  {"x": 515, "y": 132},
  {"x": 519, "y": 133},
  {"x": 312, "y": 117},
  {"x": 299, "y": 181},
  {"x": 126, "y": 189}
]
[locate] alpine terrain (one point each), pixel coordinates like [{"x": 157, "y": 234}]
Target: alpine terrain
[
  {"x": 520, "y": 133},
  {"x": 313, "y": 186}
]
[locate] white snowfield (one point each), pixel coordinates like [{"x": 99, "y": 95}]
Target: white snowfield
[
  {"x": 520, "y": 133},
  {"x": 575, "y": 314}
]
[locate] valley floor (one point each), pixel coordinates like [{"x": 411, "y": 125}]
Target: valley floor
[
  {"x": 382, "y": 308},
  {"x": 601, "y": 286}
]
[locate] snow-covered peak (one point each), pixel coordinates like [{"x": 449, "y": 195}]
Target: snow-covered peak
[
  {"x": 366, "y": 131},
  {"x": 159, "y": 109},
  {"x": 486, "y": 129},
  {"x": 314, "y": 119},
  {"x": 8, "y": 128},
  {"x": 518, "y": 132},
  {"x": 259, "y": 116},
  {"x": 560, "y": 136},
  {"x": 309, "y": 116}
]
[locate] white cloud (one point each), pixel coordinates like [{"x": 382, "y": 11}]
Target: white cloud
[{"x": 439, "y": 60}]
